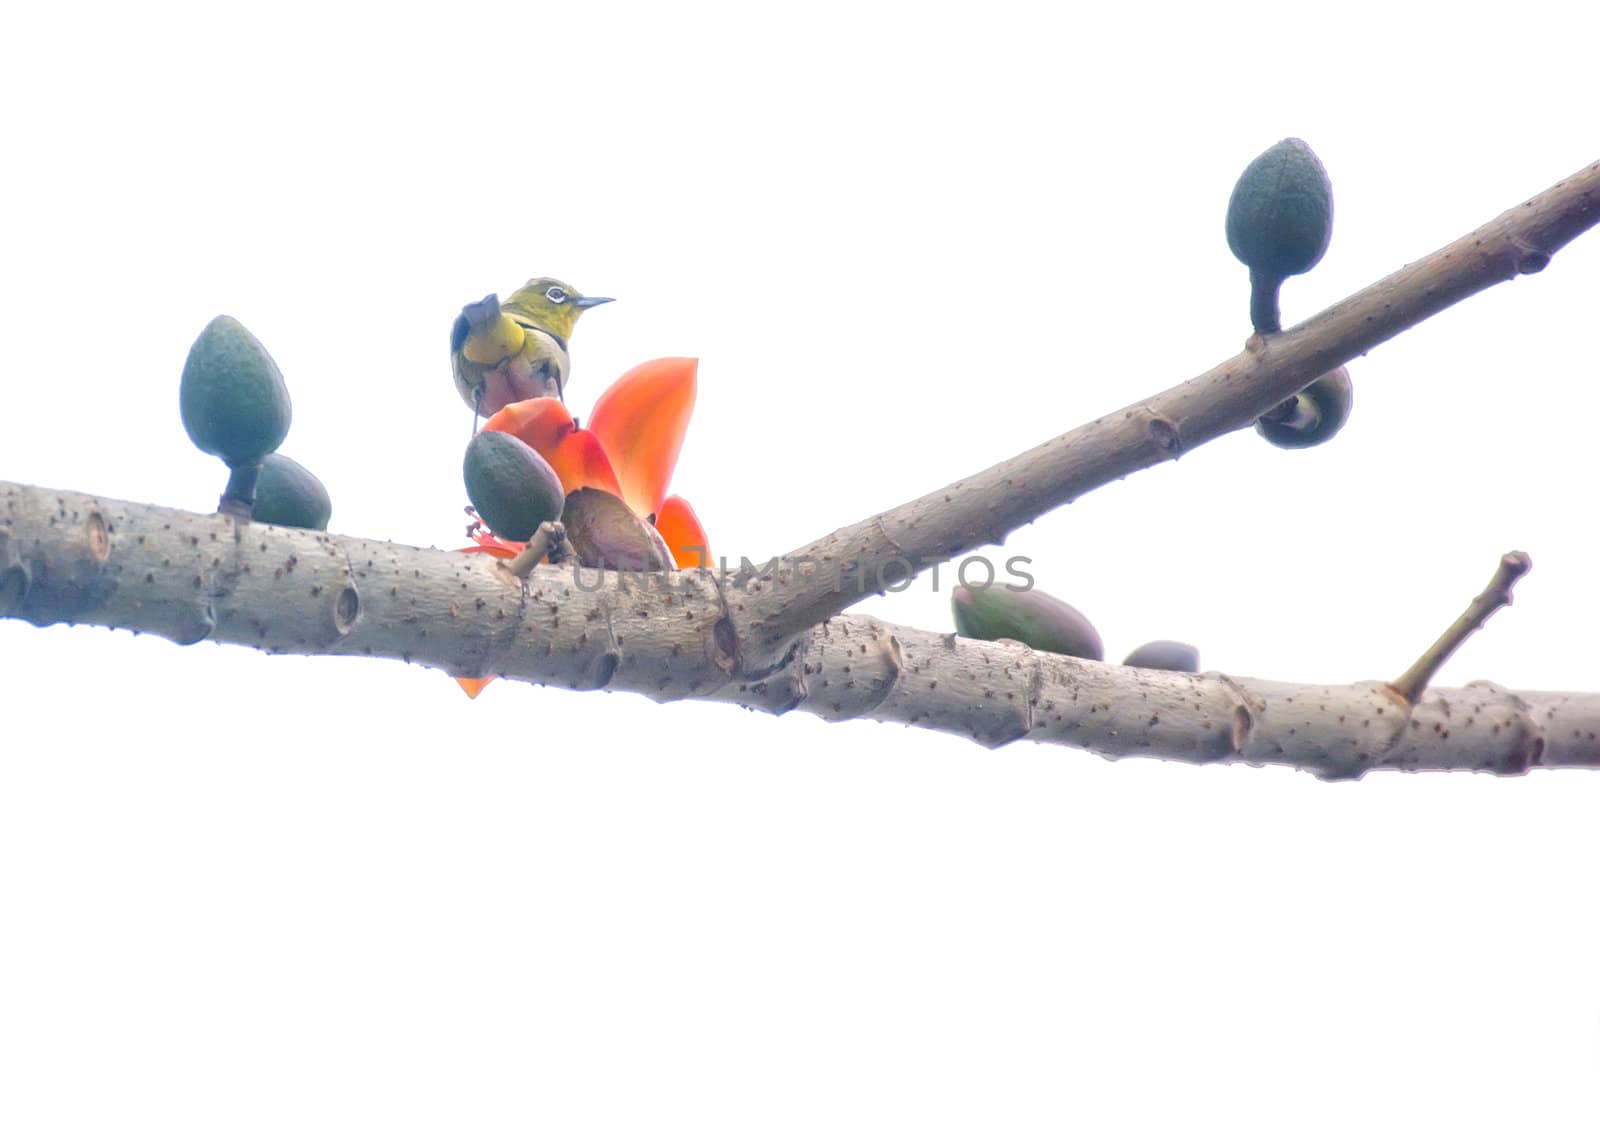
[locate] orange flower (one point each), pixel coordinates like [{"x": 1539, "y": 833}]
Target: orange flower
[{"x": 628, "y": 449}]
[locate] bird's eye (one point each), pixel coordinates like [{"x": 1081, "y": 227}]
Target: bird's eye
[{"x": 556, "y": 294}]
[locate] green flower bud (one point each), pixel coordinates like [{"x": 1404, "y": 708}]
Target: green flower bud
[
  {"x": 232, "y": 397},
  {"x": 1035, "y": 618},
  {"x": 287, "y": 494},
  {"x": 510, "y": 484},
  {"x": 1165, "y": 655},
  {"x": 1313, "y": 416},
  {"x": 1280, "y": 219}
]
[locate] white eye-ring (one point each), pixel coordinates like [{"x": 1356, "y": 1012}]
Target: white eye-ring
[{"x": 556, "y": 294}]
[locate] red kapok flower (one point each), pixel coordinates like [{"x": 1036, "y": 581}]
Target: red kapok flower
[{"x": 628, "y": 449}]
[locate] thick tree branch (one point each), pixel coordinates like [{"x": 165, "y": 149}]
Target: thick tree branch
[
  {"x": 832, "y": 573},
  {"x": 71, "y": 557}
]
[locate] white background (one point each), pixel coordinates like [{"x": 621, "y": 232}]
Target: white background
[{"x": 243, "y": 894}]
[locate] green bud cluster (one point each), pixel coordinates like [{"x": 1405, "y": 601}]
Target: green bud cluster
[
  {"x": 235, "y": 405},
  {"x": 1280, "y": 220},
  {"x": 1048, "y": 624}
]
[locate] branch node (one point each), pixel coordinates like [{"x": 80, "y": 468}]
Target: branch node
[
  {"x": 346, "y": 610},
  {"x": 195, "y": 624},
  {"x": 601, "y": 669},
  {"x": 603, "y": 665},
  {"x": 99, "y": 536},
  {"x": 1165, "y": 436},
  {"x": 1530, "y": 258},
  {"x": 725, "y": 642},
  {"x": 1243, "y": 724},
  {"x": 1526, "y": 748}
]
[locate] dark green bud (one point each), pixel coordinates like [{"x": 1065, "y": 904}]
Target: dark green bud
[
  {"x": 510, "y": 484},
  {"x": 1280, "y": 219},
  {"x": 1035, "y": 618},
  {"x": 1313, "y": 416},
  {"x": 287, "y": 494},
  {"x": 1166, "y": 656},
  {"x": 232, "y": 396}
]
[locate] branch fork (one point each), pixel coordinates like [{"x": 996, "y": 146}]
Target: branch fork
[{"x": 778, "y": 641}]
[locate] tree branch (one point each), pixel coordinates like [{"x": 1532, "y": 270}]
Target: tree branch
[
  {"x": 830, "y": 574},
  {"x": 71, "y": 557}
]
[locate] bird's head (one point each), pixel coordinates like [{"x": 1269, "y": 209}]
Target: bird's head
[{"x": 551, "y": 304}]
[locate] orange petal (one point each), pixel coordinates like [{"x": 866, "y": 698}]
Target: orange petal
[
  {"x": 683, "y": 533},
  {"x": 576, "y": 455},
  {"x": 579, "y": 460},
  {"x": 500, "y": 548},
  {"x": 473, "y": 687},
  {"x": 541, "y": 423},
  {"x": 641, "y": 420}
]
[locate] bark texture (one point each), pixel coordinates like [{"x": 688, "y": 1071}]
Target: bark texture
[{"x": 68, "y": 557}]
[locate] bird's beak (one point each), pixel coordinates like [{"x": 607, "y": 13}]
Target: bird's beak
[{"x": 591, "y": 301}]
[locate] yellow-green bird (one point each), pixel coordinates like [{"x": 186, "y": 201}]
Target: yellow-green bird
[{"x": 503, "y": 352}]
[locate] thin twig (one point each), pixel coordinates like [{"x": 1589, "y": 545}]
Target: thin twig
[
  {"x": 1498, "y": 595},
  {"x": 549, "y": 536}
]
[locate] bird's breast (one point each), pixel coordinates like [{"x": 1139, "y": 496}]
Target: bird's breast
[{"x": 539, "y": 368}]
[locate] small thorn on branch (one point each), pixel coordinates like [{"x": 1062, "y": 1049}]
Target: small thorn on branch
[{"x": 1498, "y": 594}]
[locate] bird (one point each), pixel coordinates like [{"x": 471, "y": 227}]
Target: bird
[{"x": 505, "y": 351}]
